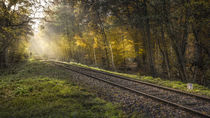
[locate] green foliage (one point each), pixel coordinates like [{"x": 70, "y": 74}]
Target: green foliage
[
  {"x": 197, "y": 89},
  {"x": 48, "y": 95},
  {"x": 162, "y": 37},
  {"x": 15, "y": 27}
]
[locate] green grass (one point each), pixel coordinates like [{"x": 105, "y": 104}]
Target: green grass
[
  {"x": 197, "y": 89},
  {"x": 39, "y": 90}
]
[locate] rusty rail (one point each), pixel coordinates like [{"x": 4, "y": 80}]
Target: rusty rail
[{"x": 138, "y": 92}]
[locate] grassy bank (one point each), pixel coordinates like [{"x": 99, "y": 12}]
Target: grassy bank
[
  {"x": 197, "y": 89},
  {"x": 39, "y": 90}
]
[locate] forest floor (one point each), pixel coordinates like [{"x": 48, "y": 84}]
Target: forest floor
[{"x": 39, "y": 90}]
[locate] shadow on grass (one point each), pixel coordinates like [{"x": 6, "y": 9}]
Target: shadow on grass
[{"x": 39, "y": 90}]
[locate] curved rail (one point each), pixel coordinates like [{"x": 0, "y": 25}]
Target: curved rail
[
  {"x": 137, "y": 92},
  {"x": 141, "y": 82}
]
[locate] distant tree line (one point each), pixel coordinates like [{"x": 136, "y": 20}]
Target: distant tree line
[{"x": 167, "y": 38}]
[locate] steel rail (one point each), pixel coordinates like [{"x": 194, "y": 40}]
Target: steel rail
[
  {"x": 146, "y": 83},
  {"x": 139, "y": 92}
]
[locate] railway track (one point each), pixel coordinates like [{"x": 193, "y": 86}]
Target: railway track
[{"x": 196, "y": 104}]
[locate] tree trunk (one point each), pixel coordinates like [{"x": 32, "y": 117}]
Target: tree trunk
[
  {"x": 124, "y": 53},
  {"x": 198, "y": 61},
  {"x": 137, "y": 47},
  {"x": 165, "y": 52},
  {"x": 3, "y": 59},
  {"x": 106, "y": 45},
  {"x": 112, "y": 56},
  {"x": 180, "y": 60},
  {"x": 178, "y": 39},
  {"x": 94, "y": 54},
  {"x": 149, "y": 41}
]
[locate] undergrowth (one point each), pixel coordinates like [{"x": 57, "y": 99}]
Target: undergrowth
[
  {"x": 39, "y": 90},
  {"x": 197, "y": 89}
]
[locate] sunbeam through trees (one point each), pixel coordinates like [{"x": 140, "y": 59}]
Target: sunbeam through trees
[
  {"x": 158, "y": 38},
  {"x": 144, "y": 58}
]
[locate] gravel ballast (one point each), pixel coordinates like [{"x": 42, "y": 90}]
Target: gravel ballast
[{"x": 131, "y": 103}]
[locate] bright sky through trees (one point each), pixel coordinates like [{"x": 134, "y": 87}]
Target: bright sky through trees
[
  {"x": 166, "y": 39},
  {"x": 39, "y": 12},
  {"x": 156, "y": 37}
]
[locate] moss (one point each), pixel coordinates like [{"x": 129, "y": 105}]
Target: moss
[
  {"x": 41, "y": 90},
  {"x": 197, "y": 89}
]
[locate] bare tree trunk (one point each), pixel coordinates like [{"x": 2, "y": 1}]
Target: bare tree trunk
[
  {"x": 144, "y": 56},
  {"x": 124, "y": 53},
  {"x": 198, "y": 72},
  {"x": 106, "y": 43},
  {"x": 149, "y": 41},
  {"x": 179, "y": 52},
  {"x": 112, "y": 56},
  {"x": 178, "y": 39},
  {"x": 106, "y": 49},
  {"x": 180, "y": 61},
  {"x": 3, "y": 59},
  {"x": 137, "y": 47},
  {"x": 94, "y": 54},
  {"x": 165, "y": 52}
]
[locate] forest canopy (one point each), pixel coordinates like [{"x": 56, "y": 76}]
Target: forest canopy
[{"x": 163, "y": 38}]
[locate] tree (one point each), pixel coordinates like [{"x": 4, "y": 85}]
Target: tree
[
  {"x": 14, "y": 24},
  {"x": 165, "y": 38}
]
